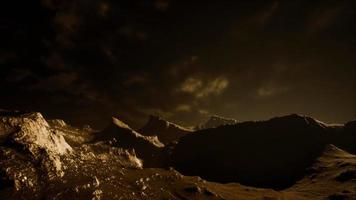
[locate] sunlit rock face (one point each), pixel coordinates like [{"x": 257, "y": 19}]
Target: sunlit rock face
[
  {"x": 32, "y": 134},
  {"x": 166, "y": 131},
  {"x": 30, "y": 151},
  {"x": 216, "y": 121},
  {"x": 35, "y": 157}
]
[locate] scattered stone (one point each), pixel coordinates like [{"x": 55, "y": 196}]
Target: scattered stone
[
  {"x": 97, "y": 194},
  {"x": 96, "y": 182}
]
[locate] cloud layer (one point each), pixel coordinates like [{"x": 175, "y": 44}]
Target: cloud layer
[{"x": 87, "y": 60}]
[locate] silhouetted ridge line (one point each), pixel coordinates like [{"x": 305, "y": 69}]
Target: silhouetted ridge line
[
  {"x": 216, "y": 121},
  {"x": 273, "y": 153}
]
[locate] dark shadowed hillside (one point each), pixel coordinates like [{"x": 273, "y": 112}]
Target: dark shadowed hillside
[
  {"x": 346, "y": 138},
  {"x": 273, "y": 153}
]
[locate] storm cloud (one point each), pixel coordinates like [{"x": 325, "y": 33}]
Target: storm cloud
[{"x": 86, "y": 61}]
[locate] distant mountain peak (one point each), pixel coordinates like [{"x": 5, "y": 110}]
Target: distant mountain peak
[
  {"x": 159, "y": 122},
  {"x": 216, "y": 121},
  {"x": 307, "y": 120},
  {"x": 351, "y": 124},
  {"x": 116, "y": 122},
  {"x": 120, "y": 123},
  {"x": 57, "y": 122},
  {"x": 165, "y": 131}
]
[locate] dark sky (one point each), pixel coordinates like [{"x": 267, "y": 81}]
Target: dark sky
[{"x": 86, "y": 60}]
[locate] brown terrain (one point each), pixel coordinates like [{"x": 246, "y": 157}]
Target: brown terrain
[{"x": 291, "y": 158}]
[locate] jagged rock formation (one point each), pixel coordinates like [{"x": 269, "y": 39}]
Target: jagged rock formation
[
  {"x": 35, "y": 157},
  {"x": 74, "y": 136},
  {"x": 165, "y": 131},
  {"x": 121, "y": 135},
  {"x": 29, "y": 145},
  {"x": 216, "y": 121},
  {"x": 57, "y": 122},
  {"x": 272, "y": 154},
  {"x": 31, "y": 133}
]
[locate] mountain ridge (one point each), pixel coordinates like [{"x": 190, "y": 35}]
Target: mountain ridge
[
  {"x": 166, "y": 131},
  {"x": 117, "y": 162},
  {"x": 215, "y": 121}
]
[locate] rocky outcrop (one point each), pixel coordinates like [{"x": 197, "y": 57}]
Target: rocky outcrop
[
  {"x": 216, "y": 121},
  {"x": 31, "y": 133},
  {"x": 30, "y": 151},
  {"x": 74, "y": 136},
  {"x": 121, "y": 135},
  {"x": 102, "y": 152},
  {"x": 57, "y": 123},
  {"x": 166, "y": 132}
]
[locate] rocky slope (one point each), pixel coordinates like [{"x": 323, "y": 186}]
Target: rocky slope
[
  {"x": 216, "y": 121},
  {"x": 30, "y": 151},
  {"x": 166, "y": 132},
  {"x": 36, "y": 162},
  {"x": 332, "y": 176},
  {"x": 35, "y": 157},
  {"x": 124, "y": 179},
  {"x": 31, "y": 135},
  {"x": 74, "y": 136}
]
